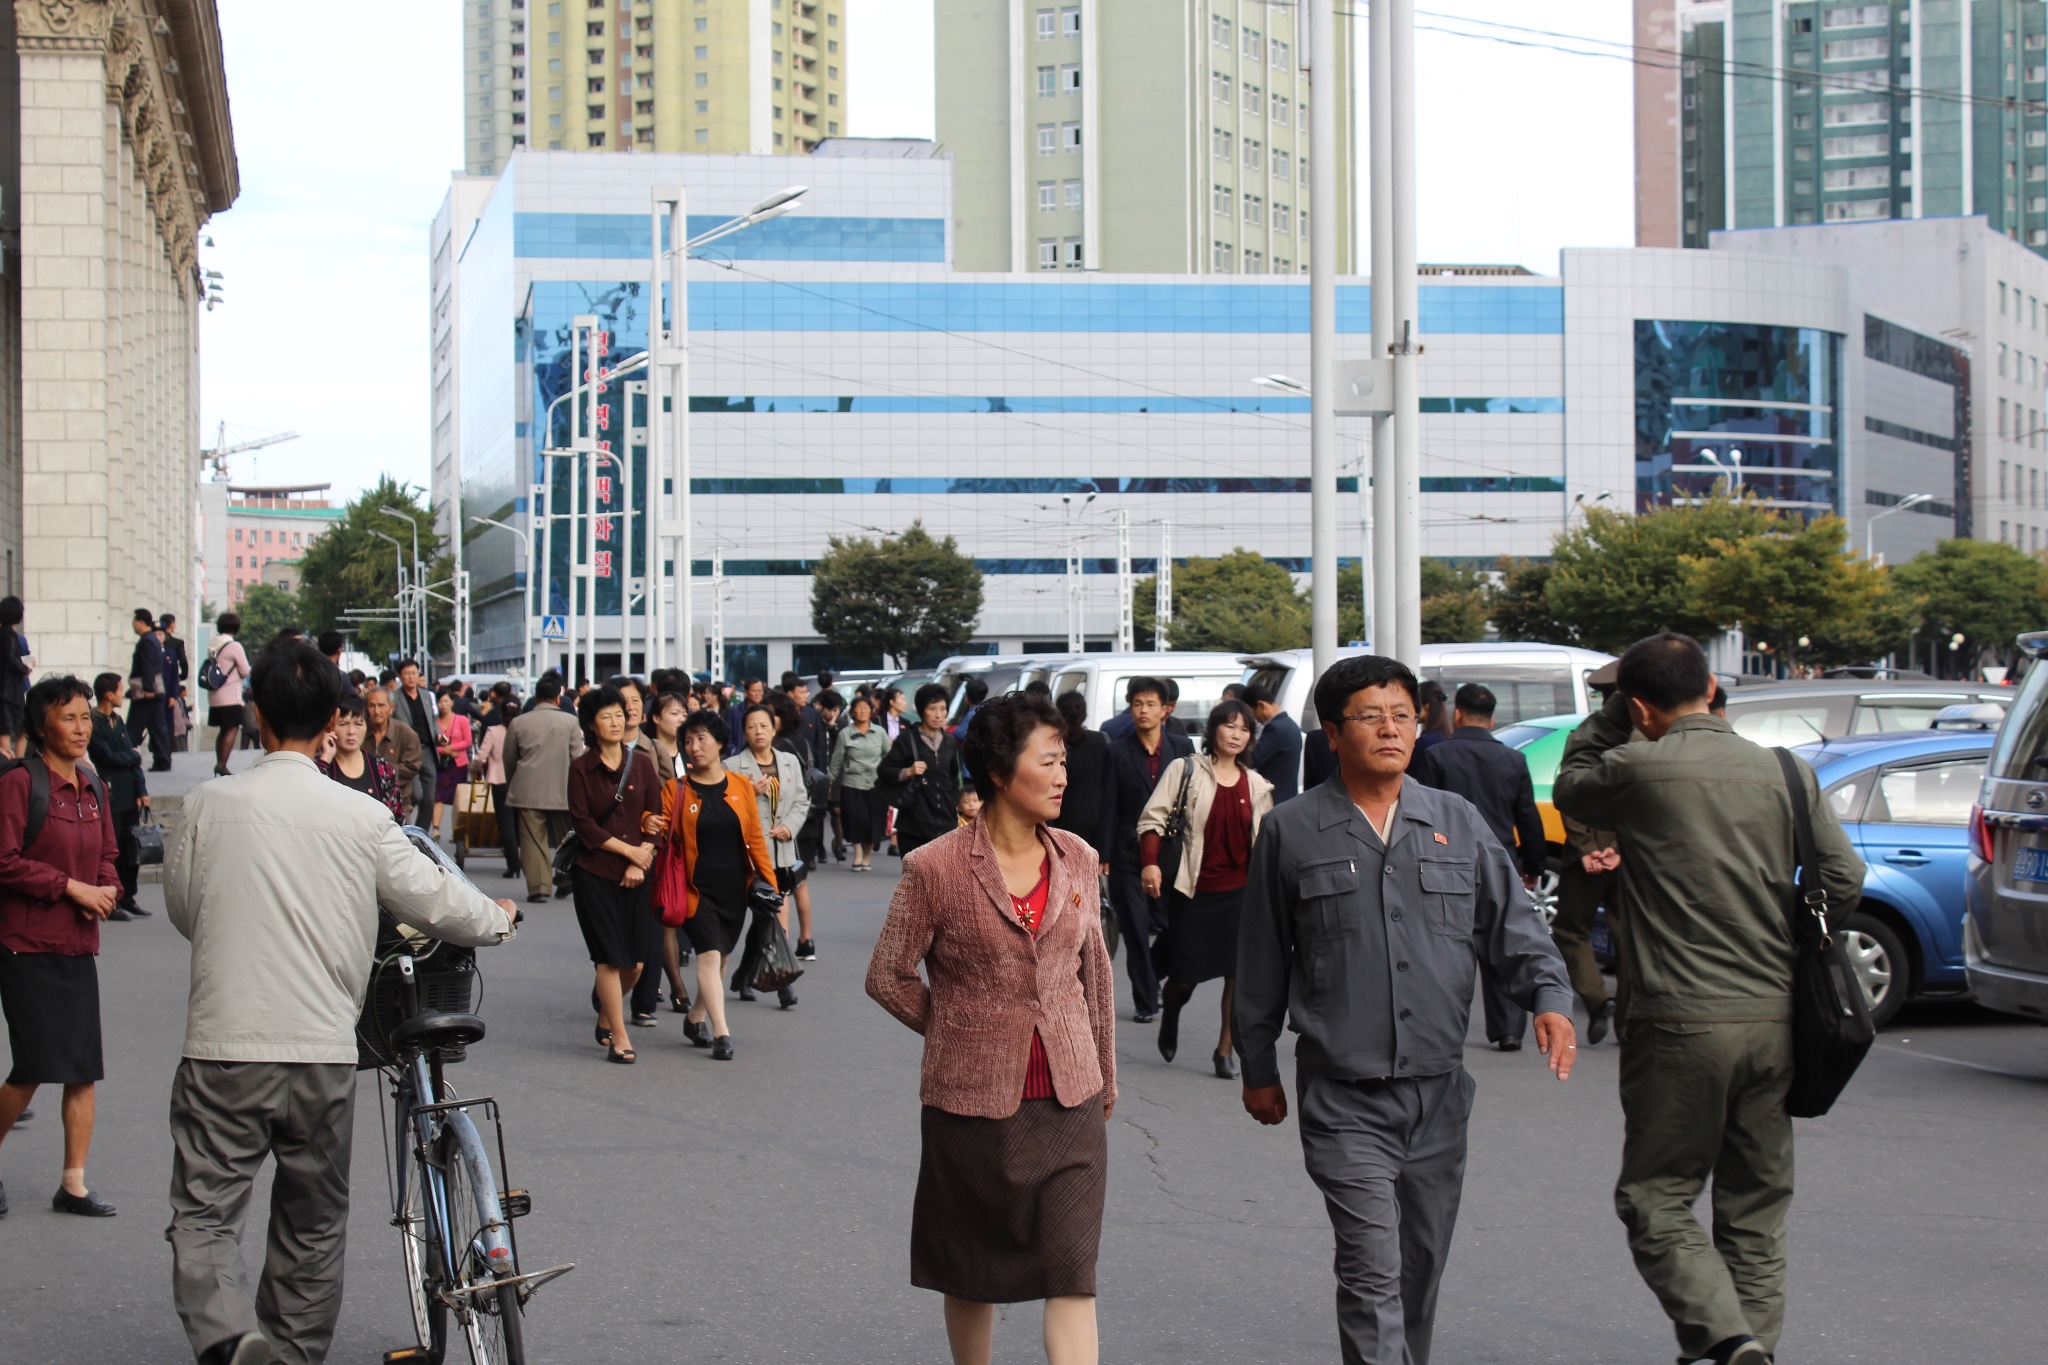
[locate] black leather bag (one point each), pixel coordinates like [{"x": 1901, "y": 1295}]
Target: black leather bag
[
  {"x": 1108, "y": 909},
  {"x": 1175, "y": 836},
  {"x": 149, "y": 841},
  {"x": 1831, "y": 1028},
  {"x": 571, "y": 847}
]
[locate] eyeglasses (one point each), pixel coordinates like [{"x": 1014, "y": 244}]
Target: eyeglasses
[{"x": 1373, "y": 719}]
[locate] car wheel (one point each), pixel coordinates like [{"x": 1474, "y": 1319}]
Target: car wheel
[
  {"x": 1544, "y": 894},
  {"x": 1880, "y": 963}
]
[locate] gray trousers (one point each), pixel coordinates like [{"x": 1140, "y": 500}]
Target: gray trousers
[
  {"x": 540, "y": 833},
  {"x": 1389, "y": 1157},
  {"x": 226, "y": 1117}
]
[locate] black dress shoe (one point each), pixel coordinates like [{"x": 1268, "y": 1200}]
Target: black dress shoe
[
  {"x": 1596, "y": 1027},
  {"x": 1169, "y": 1032},
  {"x": 119, "y": 916},
  {"x": 1224, "y": 1070},
  {"x": 135, "y": 911},
  {"x": 541, "y": 899},
  {"x": 747, "y": 993},
  {"x": 87, "y": 1205},
  {"x": 1142, "y": 1018},
  {"x": 1508, "y": 1044},
  {"x": 721, "y": 1048},
  {"x": 3, "y": 1201},
  {"x": 698, "y": 1033},
  {"x": 786, "y": 998}
]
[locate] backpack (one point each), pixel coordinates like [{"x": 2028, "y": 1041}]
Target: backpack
[
  {"x": 39, "y": 792},
  {"x": 211, "y": 677}
]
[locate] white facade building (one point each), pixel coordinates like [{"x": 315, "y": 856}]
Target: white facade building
[{"x": 845, "y": 381}]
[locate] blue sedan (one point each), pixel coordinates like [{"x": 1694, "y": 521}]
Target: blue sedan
[{"x": 1905, "y": 800}]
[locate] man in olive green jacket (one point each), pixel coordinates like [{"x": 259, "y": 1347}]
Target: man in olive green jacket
[{"x": 1704, "y": 824}]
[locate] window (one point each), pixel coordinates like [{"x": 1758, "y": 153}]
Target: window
[
  {"x": 1070, "y": 249},
  {"x": 1798, "y": 187},
  {"x": 1070, "y": 136},
  {"x": 703, "y": 54},
  {"x": 778, "y": 111},
  {"x": 1253, "y": 46},
  {"x": 2001, "y": 360},
  {"x": 1222, "y": 258},
  {"x": 1254, "y": 104},
  {"x": 1048, "y": 82},
  {"x": 831, "y": 21},
  {"x": 1802, "y": 122},
  {"x": 1855, "y": 49},
  {"x": 597, "y": 139},
  {"x": 832, "y": 98},
  {"x": 1219, "y": 87},
  {"x": 1070, "y": 78},
  {"x": 775, "y": 29},
  {"x": 1301, "y": 172},
  {"x": 1072, "y": 193},
  {"x": 2001, "y": 298},
  {"x": 1219, "y": 30},
  {"x": 1048, "y": 26},
  {"x": 1254, "y": 154},
  {"x": 595, "y": 85},
  {"x": 1254, "y": 210},
  {"x": 1281, "y": 166},
  {"x": 1283, "y": 222},
  {"x": 702, "y": 25},
  {"x": 1219, "y": 199},
  {"x": 1070, "y": 22},
  {"x": 1254, "y": 262},
  {"x": 1048, "y": 196},
  {"x": 832, "y": 128},
  {"x": 238, "y": 533},
  {"x": 596, "y": 56},
  {"x": 1281, "y": 109},
  {"x": 1856, "y": 16},
  {"x": 1932, "y": 794},
  {"x": 1219, "y": 143},
  {"x": 554, "y": 120},
  {"x": 554, "y": 65},
  {"x": 1803, "y": 151},
  {"x": 1048, "y": 247},
  {"x": 1048, "y": 138},
  {"x": 703, "y": 79},
  {"x": 596, "y": 111},
  {"x": 703, "y": 106},
  {"x": 1864, "y": 111},
  {"x": 2001, "y": 432},
  {"x": 703, "y": 135},
  {"x": 1861, "y": 178},
  {"x": 775, "y": 83}
]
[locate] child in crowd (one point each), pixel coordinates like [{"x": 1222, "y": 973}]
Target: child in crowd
[{"x": 968, "y": 806}]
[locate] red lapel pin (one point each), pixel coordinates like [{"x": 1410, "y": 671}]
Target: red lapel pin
[{"x": 1440, "y": 839}]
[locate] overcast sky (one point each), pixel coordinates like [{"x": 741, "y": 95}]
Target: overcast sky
[{"x": 346, "y": 139}]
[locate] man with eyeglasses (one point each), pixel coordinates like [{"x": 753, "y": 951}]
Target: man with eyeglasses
[{"x": 1372, "y": 902}]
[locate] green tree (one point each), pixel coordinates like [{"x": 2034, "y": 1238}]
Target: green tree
[
  {"x": 1984, "y": 590},
  {"x": 265, "y": 610},
  {"x": 1240, "y": 602},
  {"x": 1793, "y": 591},
  {"x": 901, "y": 595},
  {"x": 1620, "y": 576},
  {"x": 348, "y": 568},
  {"x": 1521, "y": 604},
  {"x": 1454, "y": 602}
]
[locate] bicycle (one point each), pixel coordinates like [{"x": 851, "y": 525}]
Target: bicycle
[{"x": 455, "y": 1221}]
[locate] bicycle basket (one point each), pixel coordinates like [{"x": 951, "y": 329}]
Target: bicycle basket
[{"x": 447, "y": 980}]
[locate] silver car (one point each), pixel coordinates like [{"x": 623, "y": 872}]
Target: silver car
[{"x": 2005, "y": 928}]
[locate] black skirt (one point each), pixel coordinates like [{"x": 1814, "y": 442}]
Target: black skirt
[
  {"x": 721, "y": 911},
  {"x": 618, "y": 923},
  {"x": 863, "y": 814},
  {"x": 52, "y": 1003},
  {"x": 1010, "y": 1210},
  {"x": 1201, "y": 935},
  {"x": 224, "y": 717}
]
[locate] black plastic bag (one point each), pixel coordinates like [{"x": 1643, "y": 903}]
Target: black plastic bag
[{"x": 777, "y": 968}]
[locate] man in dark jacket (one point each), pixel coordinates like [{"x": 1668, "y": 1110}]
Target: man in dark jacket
[
  {"x": 1495, "y": 779},
  {"x": 149, "y": 670},
  {"x": 1132, "y": 767},
  {"x": 1277, "y": 755},
  {"x": 114, "y": 757}
]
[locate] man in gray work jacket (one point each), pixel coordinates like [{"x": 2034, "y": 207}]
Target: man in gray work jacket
[
  {"x": 1704, "y": 825},
  {"x": 1370, "y": 904}
]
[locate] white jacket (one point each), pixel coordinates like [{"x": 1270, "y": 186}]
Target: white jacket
[
  {"x": 793, "y": 809},
  {"x": 275, "y": 874},
  {"x": 1201, "y": 797}
]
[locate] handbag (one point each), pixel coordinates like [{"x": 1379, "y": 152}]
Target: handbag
[
  {"x": 571, "y": 847},
  {"x": 671, "y": 886},
  {"x": 1831, "y": 1028},
  {"x": 149, "y": 840},
  {"x": 1174, "y": 838},
  {"x": 1108, "y": 908}
]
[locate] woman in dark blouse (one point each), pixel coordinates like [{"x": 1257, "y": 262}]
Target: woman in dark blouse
[
  {"x": 54, "y": 891},
  {"x": 346, "y": 758},
  {"x": 615, "y": 808}
]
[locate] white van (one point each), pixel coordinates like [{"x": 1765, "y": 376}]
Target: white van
[
  {"x": 1527, "y": 680},
  {"x": 1101, "y": 678}
]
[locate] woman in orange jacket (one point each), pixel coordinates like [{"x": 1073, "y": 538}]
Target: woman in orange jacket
[{"x": 714, "y": 821}]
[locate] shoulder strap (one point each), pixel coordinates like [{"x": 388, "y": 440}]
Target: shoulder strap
[
  {"x": 1810, "y": 894},
  {"x": 625, "y": 772},
  {"x": 1176, "y": 819},
  {"x": 38, "y": 798}
]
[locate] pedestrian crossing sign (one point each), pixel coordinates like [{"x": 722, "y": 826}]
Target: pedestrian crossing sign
[{"x": 554, "y": 628}]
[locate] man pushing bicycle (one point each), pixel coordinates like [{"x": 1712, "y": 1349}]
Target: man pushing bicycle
[{"x": 276, "y": 876}]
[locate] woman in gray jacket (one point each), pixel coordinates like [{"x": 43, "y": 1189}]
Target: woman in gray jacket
[
  {"x": 856, "y": 767},
  {"x": 783, "y": 795}
]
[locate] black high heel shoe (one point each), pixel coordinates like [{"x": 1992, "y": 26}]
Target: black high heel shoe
[
  {"x": 698, "y": 1033},
  {"x": 1169, "y": 1029},
  {"x": 1224, "y": 1070}
]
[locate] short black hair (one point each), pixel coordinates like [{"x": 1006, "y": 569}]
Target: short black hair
[
  {"x": 168, "y": 619},
  {"x": 297, "y": 689},
  {"x": 928, "y": 694},
  {"x": 142, "y": 615},
  {"x": 332, "y": 642},
  {"x": 105, "y": 683},
  {"x": 1138, "y": 687},
  {"x": 1255, "y": 695},
  {"x": 999, "y": 732},
  {"x": 352, "y": 704},
  {"x": 404, "y": 664},
  {"x": 58, "y": 691},
  {"x": 790, "y": 678},
  {"x": 227, "y": 623},
  {"x": 1220, "y": 715},
  {"x": 621, "y": 681},
  {"x": 828, "y": 700},
  {"x": 976, "y": 690},
  {"x": 1073, "y": 709},
  {"x": 709, "y": 721},
  {"x": 592, "y": 702},
  {"x": 1348, "y": 676},
  {"x": 825, "y": 676},
  {"x": 1666, "y": 670},
  {"x": 1233, "y": 691},
  {"x": 549, "y": 687},
  {"x": 10, "y": 610},
  {"x": 1038, "y": 687},
  {"x": 1474, "y": 699}
]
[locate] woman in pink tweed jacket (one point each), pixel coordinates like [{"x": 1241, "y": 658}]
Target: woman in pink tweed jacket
[{"x": 1018, "y": 1019}]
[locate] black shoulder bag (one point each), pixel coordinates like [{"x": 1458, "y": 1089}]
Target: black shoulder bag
[
  {"x": 571, "y": 847},
  {"x": 1174, "y": 838},
  {"x": 1831, "y": 1028}
]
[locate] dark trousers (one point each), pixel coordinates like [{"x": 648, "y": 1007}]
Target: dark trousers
[
  {"x": 1389, "y": 1157},
  {"x": 647, "y": 990},
  {"x": 508, "y": 827},
  {"x": 1504, "y": 1018},
  {"x": 1138, "y": 918},
  {"x": 146, "y": 717},
  {"x": 1579, "y": 893},
  {"x": 226, "y": 1117},
  {"x": 125, "y": 822}
]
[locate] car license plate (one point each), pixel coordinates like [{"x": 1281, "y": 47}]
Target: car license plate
[{"x": 2030, "y": 865}]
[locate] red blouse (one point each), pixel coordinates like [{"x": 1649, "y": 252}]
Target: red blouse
[
  {"x": 1030, "y": 911},
  {"x": 76, "y": 843}
]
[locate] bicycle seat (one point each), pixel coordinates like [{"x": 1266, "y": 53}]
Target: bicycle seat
[{"x": 426, "y": 1032}]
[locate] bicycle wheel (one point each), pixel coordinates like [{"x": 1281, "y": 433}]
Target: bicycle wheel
[
  {"x": 429, "y": 1312},
  {"x": 490, "y": 1318}
]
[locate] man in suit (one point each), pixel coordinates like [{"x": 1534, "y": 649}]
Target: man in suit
[
  {"x": 1495, "y": 779},
  {"x": 150, "y": 671},
  {"x": 1277, "y": 754},
  {"x": 1132, "y": 770},
  {"x": 416, "y": 706},
  {"x": 177, "y": 668},
  {"x": 538, "y": 748}
]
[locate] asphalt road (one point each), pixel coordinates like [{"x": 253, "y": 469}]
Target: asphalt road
[{"x": 759, "y": 1210}]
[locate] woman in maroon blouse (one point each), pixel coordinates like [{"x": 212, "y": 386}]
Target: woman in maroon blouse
[
  {"x": 55, "y": 888},
  {"x": 614, "y": 808}
]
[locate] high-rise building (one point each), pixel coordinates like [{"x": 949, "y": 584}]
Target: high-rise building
[
  {"x": 763, "y": 76},
  {"x": 1783, "y": 112},
  {"x": 1143, "y": 135}
]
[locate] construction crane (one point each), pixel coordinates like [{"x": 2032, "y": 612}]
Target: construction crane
[{"x": 216, "y": 459}]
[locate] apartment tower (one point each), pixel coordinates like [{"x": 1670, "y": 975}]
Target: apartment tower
[
  {"x": 1782, "y": 112},
  {"x": 762, "y": 76},
  {"x": 1139, "y": 135}
]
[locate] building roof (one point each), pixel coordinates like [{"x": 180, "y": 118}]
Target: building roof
[{"x": 195, "y": 44}]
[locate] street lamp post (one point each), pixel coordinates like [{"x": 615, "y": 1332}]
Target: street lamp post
[
  {"x": 419, "y": 595},
  {"x": 1912, "y": 500},
  {"x": 398, "y": 559},
  {"x": 1319, "y": 55},
  {"x": 526, "y": 634}
]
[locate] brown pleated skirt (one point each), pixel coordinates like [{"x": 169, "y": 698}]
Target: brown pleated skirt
[{"x": 1010, "y": 1210}]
